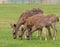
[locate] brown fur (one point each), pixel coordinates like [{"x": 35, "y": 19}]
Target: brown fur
[
  {"x": 22, "y": 19},
  {"x": 40, "y": 21}
]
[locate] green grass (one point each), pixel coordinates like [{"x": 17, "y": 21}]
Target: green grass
[{"x": 9, "y": 13}]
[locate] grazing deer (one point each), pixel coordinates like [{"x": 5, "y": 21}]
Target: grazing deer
[
  {"x": 22, "y": 19},
  {"x": 40, "y": 22}
]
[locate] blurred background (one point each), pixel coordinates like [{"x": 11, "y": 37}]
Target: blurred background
[{"x": 30, "y": 1}]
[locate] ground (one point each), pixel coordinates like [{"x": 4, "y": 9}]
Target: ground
[{"x": 9, "y": 13}]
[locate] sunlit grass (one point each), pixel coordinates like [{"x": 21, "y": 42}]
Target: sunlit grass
[{"x": 9, "y": 13}]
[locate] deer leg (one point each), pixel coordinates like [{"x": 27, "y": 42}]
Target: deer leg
[
  {"x": 49, "y": 32},
  {"x": 44, "y": 32},
  {"x": 40, "y": 34},
  {"x": 55, "y": 30},
  {"x": 30, "y": 36}
]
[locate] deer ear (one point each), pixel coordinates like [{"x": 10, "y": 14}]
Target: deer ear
[{"x": 14, "y": 25}]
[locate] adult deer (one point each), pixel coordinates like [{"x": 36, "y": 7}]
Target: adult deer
[
  {"x": 40, "y": 22},
  {"x": 22, "y": 19}
]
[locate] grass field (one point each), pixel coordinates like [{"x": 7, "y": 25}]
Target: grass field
[{"x": 9, "y": 13}]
